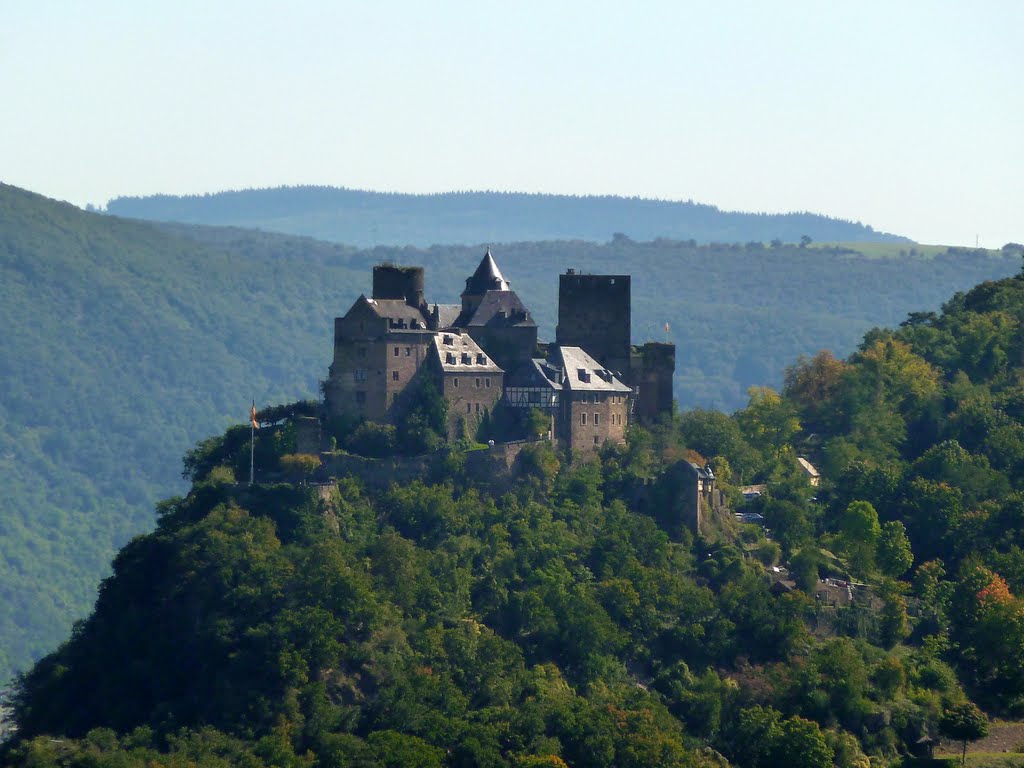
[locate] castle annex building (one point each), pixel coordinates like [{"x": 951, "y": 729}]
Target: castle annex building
[{"x": 483, "y": 356}]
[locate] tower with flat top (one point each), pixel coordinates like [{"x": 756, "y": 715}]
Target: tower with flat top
[{"x": 595, "y": 313}]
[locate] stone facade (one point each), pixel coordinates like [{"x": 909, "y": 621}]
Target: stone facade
[{"x": 470, "y": 381}]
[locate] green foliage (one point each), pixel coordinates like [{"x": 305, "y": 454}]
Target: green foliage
[
  {"x": 299, "y": 465},
  {"x": 372, "y": 439},
  {"x": 424, "y": 425},
  {"x": 859, "y": 534},
  {"x": 894, "y": 555}
]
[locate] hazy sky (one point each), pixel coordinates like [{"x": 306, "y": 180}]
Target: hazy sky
[{"x": 908, "y": 116}]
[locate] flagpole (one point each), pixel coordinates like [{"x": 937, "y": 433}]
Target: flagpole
[{"x": 252, "y": 442}]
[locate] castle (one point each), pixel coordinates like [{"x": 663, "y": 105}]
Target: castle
[{"x": 484, "y": 358}]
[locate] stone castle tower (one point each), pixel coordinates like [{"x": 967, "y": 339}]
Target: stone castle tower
[{"x": 595, "y": 312}]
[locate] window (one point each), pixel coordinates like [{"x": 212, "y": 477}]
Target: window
[
  {"x": 449, "y": 357},
  {"x": 481, "y": 360},
  {"x": 487, "y": 382},
  {"x": 408, "y": 351},
  {"x": 360, "y": 397},
  {"x": 597, "y": 419},
  {"x": 583, "y": 419},
  {"x": 477, "y": 407},
  {"x": 394, "y": 375},
  {"x": 455, "y": 381},
  {"x": 396, "y": 351},
  {"x": 360, "y": 374},
  {"x": 595, "y": 439},
  {"x": 448, "y": 340},
  {"x": 478, "y": 382},
  {"x": 469, "y": 407}
]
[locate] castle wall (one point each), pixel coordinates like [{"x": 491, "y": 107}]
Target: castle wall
[
  {"x": 404, "y": 353},
  {"x": 652, "y": 367},
  {"x": 368, "y": 377},
  {"x": 470, "y": 395}
]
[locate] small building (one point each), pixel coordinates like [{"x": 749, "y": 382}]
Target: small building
[{"x": 813, "y": 476}]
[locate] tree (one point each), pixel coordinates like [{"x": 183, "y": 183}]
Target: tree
[
  {"x": 805, "y": 568},
  {"x": 894, "y": 624},
  {"x": 813, "y": 384},
  {"x": 800, "y": 744},
  {"x": 964, "y": 722},
  {"x": 859, "y": 532},
  {"x": 768, "y": 421},
  {"x": 538, "y": 423},
  {"x": 893, "y": 554}
]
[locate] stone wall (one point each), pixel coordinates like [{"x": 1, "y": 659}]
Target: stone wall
[
  {"x": 606, "y": 419},
  {"x": 652, "y": 366},
  {"x": 470, "y": 395}
]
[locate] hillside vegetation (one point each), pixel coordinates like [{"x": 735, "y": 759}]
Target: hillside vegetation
[
  {"x": 125, "y": 343},
  {"x": 573, "y": 621},
  {"x": 366, "y": 219}
]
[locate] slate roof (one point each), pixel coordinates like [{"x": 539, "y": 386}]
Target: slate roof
[
  {"x": 447, "y": 314},
  {"x": 457, "y": 353},
  {"x": 396, "y": 310},
  {"x": 583, "y": 373},
  {"x": 535, "y": 373},
  {"x": 502, "y": 308},
  {"x": 486, "y": 278}
]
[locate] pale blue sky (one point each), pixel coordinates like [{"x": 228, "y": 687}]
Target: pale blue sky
[{"x": 904, "y": 115}]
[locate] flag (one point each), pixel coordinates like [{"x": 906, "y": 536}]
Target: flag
[
  {"x": 666, "y": 328},
  {"x": 252, "y": 416}
]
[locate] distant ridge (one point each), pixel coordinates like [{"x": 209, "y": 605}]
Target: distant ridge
[{"x": 365, "y": 218}]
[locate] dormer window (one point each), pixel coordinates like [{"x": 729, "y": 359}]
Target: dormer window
[
  {"x": 448, "y": 340},
  {"x": 466, "y": 359},
  {"x": 481, "y": 360},
  {"x": 449, "y": 358}
]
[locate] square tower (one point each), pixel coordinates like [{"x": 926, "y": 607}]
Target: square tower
[{"x": 594, "y": 313}]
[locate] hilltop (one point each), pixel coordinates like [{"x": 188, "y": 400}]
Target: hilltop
[
  {"x": 364, "y": 218},
  {"x": 126, "y": 341},
  {"x": 572, "y": 618}
]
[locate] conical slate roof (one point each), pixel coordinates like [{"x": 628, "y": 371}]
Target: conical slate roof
[{"x": 486, "y": 278}]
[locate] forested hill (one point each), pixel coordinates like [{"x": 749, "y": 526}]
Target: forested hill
[
  {"x": 572, "y": 618},
  {"x": 125, "y": 342},
  {"x": 364, "y": 218}
]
